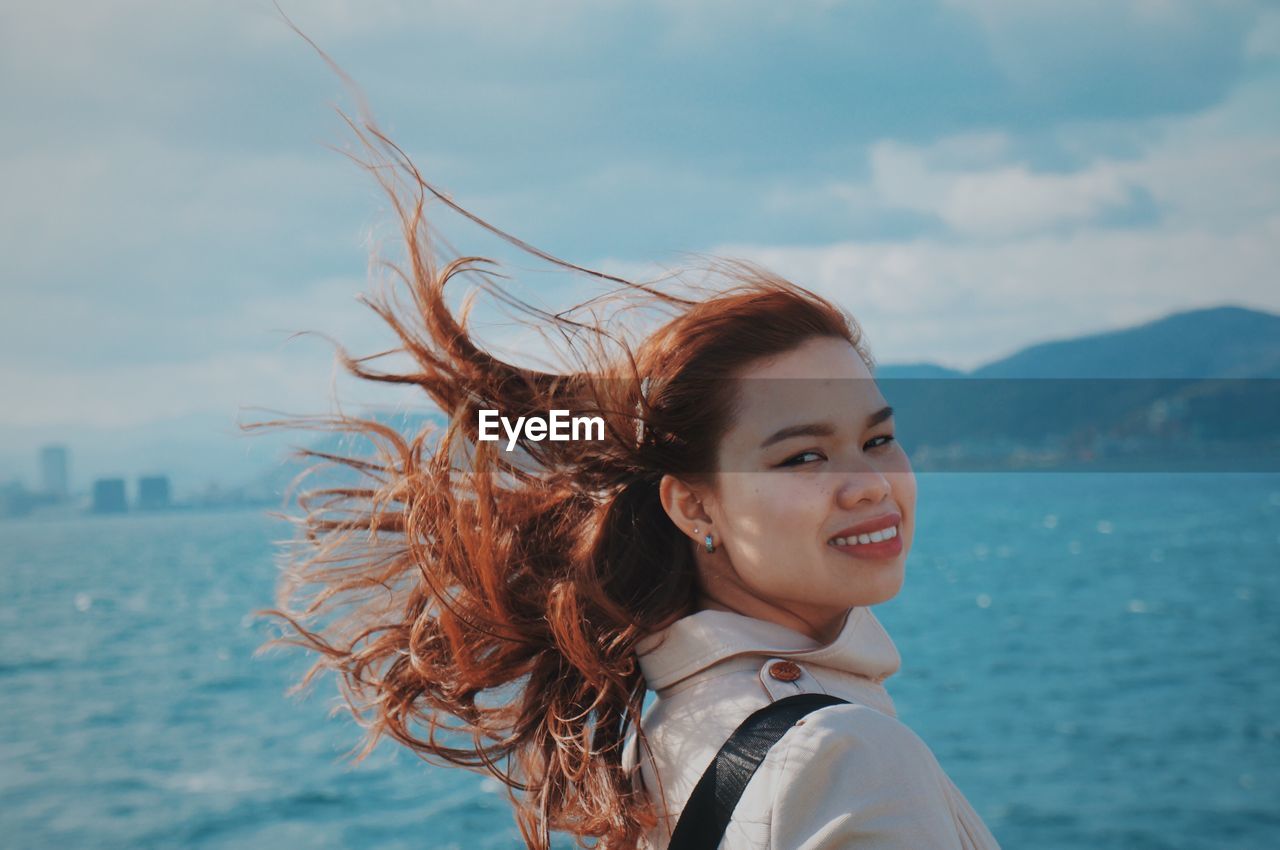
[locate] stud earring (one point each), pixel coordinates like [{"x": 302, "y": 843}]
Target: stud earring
[{"x": 711, "y": 546}]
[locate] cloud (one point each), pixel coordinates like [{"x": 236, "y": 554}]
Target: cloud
[
  {"x": 1224, "y": 184},
  {"x": 967, "y": 175},
  {"x": 1024, "y": 254},
  {"x": 1218, "y": 169},
  {"x": 963, "y": 303},
  {"x": 1006, "y": 200}
]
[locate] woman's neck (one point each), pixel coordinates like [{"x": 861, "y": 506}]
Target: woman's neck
[{"x": 822, "y": 626}]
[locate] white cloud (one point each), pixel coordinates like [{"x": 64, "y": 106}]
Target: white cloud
[
  {"x": 1026, "y": 258},
  {"x": 1007, "y": 200},
  {"x": 964, "y": 304},
  {"x": 1218, "y": 169}
]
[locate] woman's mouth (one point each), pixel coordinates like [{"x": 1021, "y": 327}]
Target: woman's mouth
[{"x": 880, "y": 543}]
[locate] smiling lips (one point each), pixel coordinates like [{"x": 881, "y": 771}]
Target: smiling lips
[
  {"x": 862, "y": 539},
  {"x": 878, "y": 537}
]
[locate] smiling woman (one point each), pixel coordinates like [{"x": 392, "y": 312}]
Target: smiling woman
[
  {"x": 806, "y": 469},
  {"x": 720, "y": 544}
]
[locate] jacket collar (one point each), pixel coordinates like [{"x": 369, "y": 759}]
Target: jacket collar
[{"x": 700, "y": 640}]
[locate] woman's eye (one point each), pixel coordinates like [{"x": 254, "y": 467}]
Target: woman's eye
[
  {"x": 798, "y": 460},
  {"x": 888, "y": 438}
]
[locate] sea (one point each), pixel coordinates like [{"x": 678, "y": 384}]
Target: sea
[{"x": 1094, "y": 658}]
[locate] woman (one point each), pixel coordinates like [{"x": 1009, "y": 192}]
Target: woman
[{"x": 720, "y": 543}]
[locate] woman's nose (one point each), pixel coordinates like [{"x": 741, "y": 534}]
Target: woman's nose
[{"x": 857, "y": 486}]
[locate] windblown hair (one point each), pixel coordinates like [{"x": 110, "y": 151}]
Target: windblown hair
[{"x": 498, "y": 597}]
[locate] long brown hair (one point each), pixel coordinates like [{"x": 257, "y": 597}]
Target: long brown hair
[{"x": 498, "y": 598}]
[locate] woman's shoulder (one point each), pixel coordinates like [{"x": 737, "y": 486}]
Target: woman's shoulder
[
  {"x": 854, "y": 726},
  {"x": 857, "y": 776},
  {"x": 849, "y": 772},
  {"x": 686, "y": 726},
  {"x": 707, "y": 707}
]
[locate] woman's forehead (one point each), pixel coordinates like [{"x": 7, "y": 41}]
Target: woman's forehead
[
  {"x": 839, "y": 392},
  {"x": 773, "y": 403}
]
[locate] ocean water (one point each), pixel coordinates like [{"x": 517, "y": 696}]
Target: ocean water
[{"x": 1094, "y": 659}]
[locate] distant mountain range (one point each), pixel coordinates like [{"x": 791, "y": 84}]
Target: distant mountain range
[
  {"x": 1218, "y": 342},
  {"x": 1194, "y": 390}
]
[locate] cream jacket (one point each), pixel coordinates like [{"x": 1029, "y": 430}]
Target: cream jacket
[{"x": 846, "y": 776}]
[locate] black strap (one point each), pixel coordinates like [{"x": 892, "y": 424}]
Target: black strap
[{"x": 706, "y": 815}]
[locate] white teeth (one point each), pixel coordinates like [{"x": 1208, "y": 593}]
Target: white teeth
[{"x": 873, "y": 537}]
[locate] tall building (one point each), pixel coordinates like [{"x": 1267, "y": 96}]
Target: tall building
[
  {"x": 53, "y": 470},
  {"x": 108, "y": 496},
  {"x": 153, "y": 492}
]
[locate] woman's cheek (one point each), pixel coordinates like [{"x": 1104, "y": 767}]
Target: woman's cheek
[
  {"x": 802, "y": 503},
  {"x": 768, "y": 505},
  {"x": 779, "y": 512}
]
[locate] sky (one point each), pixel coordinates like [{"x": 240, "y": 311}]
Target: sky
[{"x": 967, "y": 177}]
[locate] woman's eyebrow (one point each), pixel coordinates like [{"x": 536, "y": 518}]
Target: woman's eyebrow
[
  {"x": 812, "y": 429},
  {"x": 879, "y": 416},
  {"x": 821, "y": 429}
]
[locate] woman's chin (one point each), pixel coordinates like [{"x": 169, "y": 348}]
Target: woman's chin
[{"x": 880, "y": 585}]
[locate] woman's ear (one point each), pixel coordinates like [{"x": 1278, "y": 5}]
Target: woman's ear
[{"x": 684, "y": 505}]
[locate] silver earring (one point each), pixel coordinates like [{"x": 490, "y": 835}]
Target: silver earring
[{"x": 711, "y": 546}]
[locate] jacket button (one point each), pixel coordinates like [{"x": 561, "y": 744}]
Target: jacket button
[{"x": 787, "y": 671}]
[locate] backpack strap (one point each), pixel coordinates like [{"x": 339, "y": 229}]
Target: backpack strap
[{"x": 705, "y": 816}]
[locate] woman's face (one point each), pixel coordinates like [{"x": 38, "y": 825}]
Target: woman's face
[{"x": 807, "y": 463}]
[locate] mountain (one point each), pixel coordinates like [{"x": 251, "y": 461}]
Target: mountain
[
  {"x": 1214, "y": 342},
  {"x": 1218, "y": 342},
  {"x": 1193, "y": 385}
]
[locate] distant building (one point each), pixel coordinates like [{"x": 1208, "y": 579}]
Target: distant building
[
  {"x": 108, "y": 496},
  {"x": 153, "y": 492},
  {"x": 14, "y": 499},
  {"x": 53, "y": 470}
]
